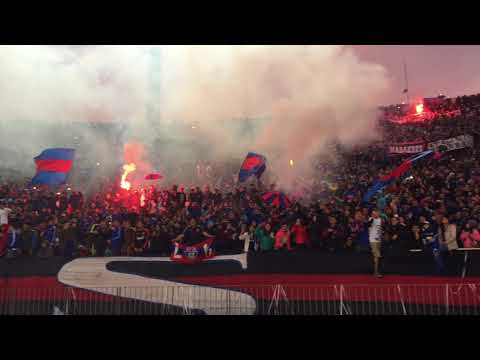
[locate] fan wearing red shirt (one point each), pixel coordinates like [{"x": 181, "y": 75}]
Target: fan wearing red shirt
[
  {"x": 301, "y": 235},
  {"x": 282, "y": 238}
]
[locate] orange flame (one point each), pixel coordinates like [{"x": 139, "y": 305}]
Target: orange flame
[
  {"x": 142, "y": 199},
  {"x": 127, "y": 169}
]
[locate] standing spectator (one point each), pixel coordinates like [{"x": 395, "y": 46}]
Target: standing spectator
[
  {"x": 314, "y": 233},
  {"x": 300, "y": 234},
  {"x": 117, "y": 237},
  {"x": 128, "y": 238},
  {"x": 448, "y": 241},
  {"x": 29, "y": 240},
  {"x": 4, "y": 213},
  {"x": 252, "y": 228},
  {"x": 141, "y": 239},
  {"x": 282, "y": 238},
  {"x": 354, "y": 228},
  {"x": 160, "y": 241},
  {"x": 50, "y": 236},
  {"x": 245, "y": 237},
  {"x": 398, "y": 237},
  {"x": 470, "y": 236},
  {"x": 181, "y": 197},
  {"x": 217, "y": 197},
  {"x": 265, "y": 237},
  {"x": 68, "y": 240},
  {"x": 45, "y": 250},
  {"x": 406, "y": 236},
  {"x": 224, "y": 237},
  {"x": 333, "y": 236},
  {"x": 101, "y": 236},
  {"x": 375, "y": 239},
  {"x": 433, "y": 242},
  {"x": 441, "y": 248},
  {"x": 14, "y": 241},
  {"x": 426, "y": 233},
  {"x": 450, "y": 231}
]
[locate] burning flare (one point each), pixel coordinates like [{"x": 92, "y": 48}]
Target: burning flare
[
  {"x": 419, "y": 109},
  {"x": 142, "y": 199},
  {"x": 127, "y": 169}
]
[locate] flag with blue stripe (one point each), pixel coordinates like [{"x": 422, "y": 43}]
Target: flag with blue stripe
[{"x": 53, "y": 166}]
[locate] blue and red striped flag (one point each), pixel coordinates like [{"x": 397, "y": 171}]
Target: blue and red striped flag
[
  {"x": 253, "y": 165},
  {"x": 397, "y": 173},
  {"x": 53, "y": 166}
]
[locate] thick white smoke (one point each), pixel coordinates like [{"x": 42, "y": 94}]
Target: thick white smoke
[
  {"x": 295, "y": 99},
  {"x": 49, "y": 94},
  {"x": 311, "y": 95}
]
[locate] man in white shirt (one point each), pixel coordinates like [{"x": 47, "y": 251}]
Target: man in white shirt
[
  {"x": 375, "y": 239},
  {"x": 4, "y": 212}
]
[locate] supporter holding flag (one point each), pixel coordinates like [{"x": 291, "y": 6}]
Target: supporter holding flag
[
  {"x": 253, "y": 165},
  {"x": 397, "y": 173}
]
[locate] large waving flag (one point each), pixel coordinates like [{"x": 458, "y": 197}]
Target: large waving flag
[
  {"x": 397, "y": 173},
  {"x": 53, "y": 166},
  {"x": 253, "y": 165}
]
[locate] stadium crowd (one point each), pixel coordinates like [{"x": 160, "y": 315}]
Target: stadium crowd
[
  {"x": 437, "y": 207},
  {"x": 439, "y": 120}
]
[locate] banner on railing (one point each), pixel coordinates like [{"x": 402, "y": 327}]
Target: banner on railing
[
  {"x": 459, "y": 142},
  {"x": 407, "y": 148},
  {"x": 193, "y": 254}
]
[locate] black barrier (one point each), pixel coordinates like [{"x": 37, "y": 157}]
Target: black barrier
[{"x": 295, "y": 262}]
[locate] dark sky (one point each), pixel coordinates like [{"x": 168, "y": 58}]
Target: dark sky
[{"x": 451, "y": 70}]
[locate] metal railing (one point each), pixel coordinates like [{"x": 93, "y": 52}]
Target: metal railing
[{"x": 348, "y": 299}]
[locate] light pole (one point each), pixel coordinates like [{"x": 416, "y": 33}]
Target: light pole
[{"x": 405, "y": 72}]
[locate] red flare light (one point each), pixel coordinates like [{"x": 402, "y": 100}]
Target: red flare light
[
  {"x": 127, "y": 169},
  {"x": 419, "y": 109}
]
